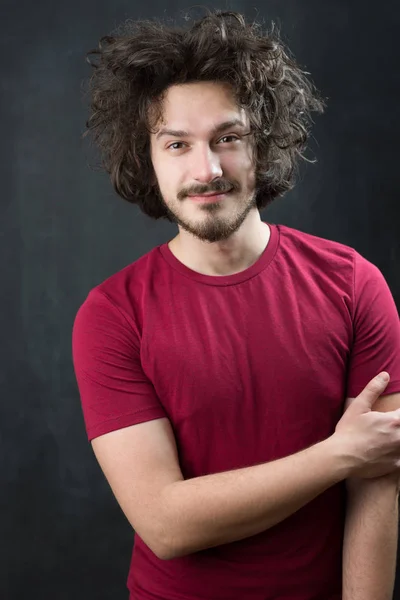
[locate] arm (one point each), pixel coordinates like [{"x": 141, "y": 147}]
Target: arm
[
  {"x": 216, "y": 509},
  {"x": 371, "y": 530},
  {"x": 175, "y": 517}
]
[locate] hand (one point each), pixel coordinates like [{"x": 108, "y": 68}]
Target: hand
[{"x": 370, "y": 439}]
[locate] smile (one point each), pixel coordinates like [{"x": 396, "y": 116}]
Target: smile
[{"x": 209, "y": 197}]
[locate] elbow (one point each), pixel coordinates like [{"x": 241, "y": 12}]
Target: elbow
[
  {"x": 170, "y": 547},
  {"x": 161, "y": 544},
  {"x": 157, "y": 545},
  {"x": 177, "y": 550},
  {"x": 165, "y": 555},
  {"x": 165, "y": 539},
  {"x": 163, "y": 551},
  {"x": 168, "y": 541},
  {"x": 166, "y": 550},
  {"x": 162, "y": 554},
  {"x": 160, "y": 547}
]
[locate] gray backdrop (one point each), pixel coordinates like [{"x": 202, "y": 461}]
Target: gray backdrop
[{"x": 63, "y": 230}]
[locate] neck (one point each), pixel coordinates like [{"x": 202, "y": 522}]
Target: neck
[{"x": 227, "y": 257}]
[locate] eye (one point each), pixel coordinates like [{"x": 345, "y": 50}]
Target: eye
[
  {"x": 234, "y": 137},
  {"x": 174, "y": 144}
]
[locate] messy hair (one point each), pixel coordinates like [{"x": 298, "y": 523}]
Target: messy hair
[{"x": 140, "y": 60}]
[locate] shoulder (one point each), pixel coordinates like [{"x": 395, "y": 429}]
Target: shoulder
[
  {"x": 304, "y": 241},
  {"x": 119, "y": 298},
  {"x": 315, "y": 255}
]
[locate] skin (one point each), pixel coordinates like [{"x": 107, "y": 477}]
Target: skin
[{"x": 218, "y": 237}]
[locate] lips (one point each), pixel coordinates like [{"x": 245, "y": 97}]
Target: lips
[
  {"x": 211, "y": 194},
  {"x": 205, "y": 195}
]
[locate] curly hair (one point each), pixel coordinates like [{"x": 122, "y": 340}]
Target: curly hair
[{"x": 140, "y": 60}]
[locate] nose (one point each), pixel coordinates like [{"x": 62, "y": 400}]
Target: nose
[{"x": 206, "y": 164}]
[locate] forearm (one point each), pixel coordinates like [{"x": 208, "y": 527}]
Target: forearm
[
  {"x": 370, "y": 539},
  {"x": 216, "y": 509}
]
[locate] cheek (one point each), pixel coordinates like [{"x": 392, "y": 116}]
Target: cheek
[
  {"x": 242, "y": 164},
  {"x": 246, "y": 173},
  {"x": 164, "y": 175}
]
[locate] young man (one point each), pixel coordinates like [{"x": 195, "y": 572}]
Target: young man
[{"x": 214, "y": 371}]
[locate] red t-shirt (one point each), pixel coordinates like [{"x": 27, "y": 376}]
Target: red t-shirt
[{"x": 249, "y": 368}]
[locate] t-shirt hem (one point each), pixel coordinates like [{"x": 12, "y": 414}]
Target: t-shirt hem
[{"x": 123, "y": 421}]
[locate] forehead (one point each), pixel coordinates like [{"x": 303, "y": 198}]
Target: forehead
[{"x": 198, "y": 107}]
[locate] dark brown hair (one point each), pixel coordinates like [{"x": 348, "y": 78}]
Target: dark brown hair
[{"x": 141, "y": 59}]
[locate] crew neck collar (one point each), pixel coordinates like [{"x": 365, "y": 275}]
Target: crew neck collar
[{"x": 223, "y": 280}]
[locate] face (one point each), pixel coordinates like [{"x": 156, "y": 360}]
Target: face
[{"x": 202, "y": 146}]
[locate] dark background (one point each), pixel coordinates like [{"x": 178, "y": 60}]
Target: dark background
[{"x": 63, "y": 230}]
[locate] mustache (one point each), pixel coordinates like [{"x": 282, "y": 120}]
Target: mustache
[{"x": 219, "y": 186}]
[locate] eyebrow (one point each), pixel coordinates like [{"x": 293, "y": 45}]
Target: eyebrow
[{"x": 216, "y": 129}]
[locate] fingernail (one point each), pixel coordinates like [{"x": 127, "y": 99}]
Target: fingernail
[{"x": 383, "y": 376}]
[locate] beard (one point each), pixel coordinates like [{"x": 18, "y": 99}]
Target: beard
[{"x": 218, "y": 224}]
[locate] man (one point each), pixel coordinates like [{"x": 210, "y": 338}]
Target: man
[{"x": 214, "y": 371}]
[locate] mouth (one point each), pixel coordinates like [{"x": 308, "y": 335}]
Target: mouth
[{"x": 213, "y": 197}]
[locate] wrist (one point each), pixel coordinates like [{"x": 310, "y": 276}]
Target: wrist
[{"x": 344, "y": 462}]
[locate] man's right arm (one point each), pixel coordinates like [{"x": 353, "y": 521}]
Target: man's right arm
[
  {"x": 176, "y": 517},
  {"x": 216, "y": 509}
]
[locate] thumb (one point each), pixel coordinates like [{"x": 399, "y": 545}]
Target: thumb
[{"x": 371, "y": 392}]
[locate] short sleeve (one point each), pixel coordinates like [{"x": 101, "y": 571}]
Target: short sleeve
[
  {"x": 376, "y": 328},
  {"x": 113, "y": 388}
]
